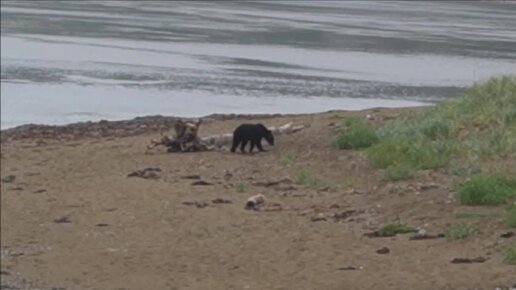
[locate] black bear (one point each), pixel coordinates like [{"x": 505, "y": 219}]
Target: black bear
[{"x": 251, "y": 132}]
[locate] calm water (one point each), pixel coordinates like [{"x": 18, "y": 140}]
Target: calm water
[{"x": 68, "y": 61}]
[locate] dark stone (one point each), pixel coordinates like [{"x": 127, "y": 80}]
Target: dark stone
[
  {"x": 8, "y": 178},
  {"x": 147, "y": 173},
  {"x": 201, "y": 182},
  {"x": 220, "y": 200},
  {"x": 62, "y": 220},
  {"x": 507, "y": 235},
  {"x": 417, "y": 237},
  {"x": 192, "y": 176},
  {"x": 383, "y": 251},
  {"x": 347, "y": 268},
  {"x": 468, "y": 260}
]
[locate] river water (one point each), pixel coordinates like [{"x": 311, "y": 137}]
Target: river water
[{"x": 69, "y": 61}]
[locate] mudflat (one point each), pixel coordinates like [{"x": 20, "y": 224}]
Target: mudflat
[{"x": 72, "y": 218}]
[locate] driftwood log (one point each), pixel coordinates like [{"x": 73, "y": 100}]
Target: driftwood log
[{"x": 187, "y": 140}]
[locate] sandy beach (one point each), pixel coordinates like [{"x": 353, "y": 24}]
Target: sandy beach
[{"x": 71, "y": 218}]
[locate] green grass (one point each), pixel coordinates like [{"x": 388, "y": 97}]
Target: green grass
[
  {"x": 288, "y": 158},
  {"x": 351, "y": 121},
  {"x": 358, "y": 135},
  {"x": 491, "y": 189},
  {"x": 459, "y": 232},
  {"x": 407, "y": 153},
  {"x": 476, "y": 126},
  {"x": 511, "y": 216},
  {"x": 399, "y": 172},
  {"x": 476, "y": 214},
  {"x": 463, "y": 169},
  {"x": 510, "y": 255},
  {"x": 305, "y": 177},
  {"x": 392, "y": 229},
  {"x": 241, "y": 186}
]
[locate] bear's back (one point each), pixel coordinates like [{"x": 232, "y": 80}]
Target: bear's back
[{"x": 250, "y": 130}]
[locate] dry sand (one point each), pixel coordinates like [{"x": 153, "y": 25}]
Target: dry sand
[{"x": 72, "y": 219}]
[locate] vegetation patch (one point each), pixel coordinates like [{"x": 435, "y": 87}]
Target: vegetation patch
[
  {"x": 399, "y": 172},
  {"x": 510, "y": 256},
  {"x": 511, "y": 216},
  {"x": 288, "y": 158},
  {"x": 480, "y": 124},
  {"x": 241, "y": 186},
  {"x": 464, "y": 169},
  {"x": 459, "y": 232},
  {"x": 305, "y": 177},
  {"x": 393, "y": 229},
  {"x": 486, "y": 190},
  {"x": 407, "y": 153},
  {"x": 358, "y": 135},
  {"x": 476, "y": 214}
]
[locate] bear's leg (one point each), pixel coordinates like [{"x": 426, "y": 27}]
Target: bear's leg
[
  {"x": 236, "y": 141},
  {"x": 259, "y": 145},
  {"x": 242, "y": 146},
  {"x": 253, "y": 143}
]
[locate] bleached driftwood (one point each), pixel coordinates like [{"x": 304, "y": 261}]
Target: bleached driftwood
[{"x": 213, "y": 142}]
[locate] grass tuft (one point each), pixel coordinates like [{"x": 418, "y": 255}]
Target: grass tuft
[
  {"x": 510, "y": 256},
  {"x": 288, "y": 158},
  {"x": 476, "y": 214},
  {"x": 459, "y": 232},
  {"x": 358, "y": 135},
  {"x": 486, "y": 190},
  {"x": 511, "y": 216},
  {"x": 407, "y": 153},
  {"x": 399, "y": 172},
  {"x": 241, "y": 186},
  {"x": 306, "y": 178}
]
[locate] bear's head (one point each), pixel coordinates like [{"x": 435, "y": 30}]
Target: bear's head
[{"x": 269, "y": 137}]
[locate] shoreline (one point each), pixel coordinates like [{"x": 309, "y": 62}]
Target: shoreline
[{"x": 142, "y": 125}]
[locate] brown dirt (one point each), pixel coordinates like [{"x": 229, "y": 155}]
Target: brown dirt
[{"x": 72, "y": 218}]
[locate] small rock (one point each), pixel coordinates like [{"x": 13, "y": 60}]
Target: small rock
[
  {"x": 220, "y": 200},
  {"x": 349, "y": 268},
  {"x": 378, "y": 234},
  {"x": 255, "y": 201},
  {"x": 147, "y": 173},
  {"x": 427, "y": 186},
  {"x": 8, "y": 178},
  {"x": 200, "y": 182},
  {"x": 101, "y": 225},
  {"x": 344, "y": 214},
  {"x": 324, "y": 189},
  {"x": 425, "y": 236},
  {"x": 383, "y": 251},
  {"x": 191, "y": 176},
  {"x": 318, "y": 218},
  {"x": 62, "y": 220},
  {"x": 201, "y": 204},
  {"x": 198, "y": 204},
  {"x": 18, "y": 188},
  {"x": 507, "y": 235},
  {"x": 40, "y": 191}
]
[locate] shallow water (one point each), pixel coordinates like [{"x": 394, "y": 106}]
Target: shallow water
[{"x": 68, "y": 61}]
